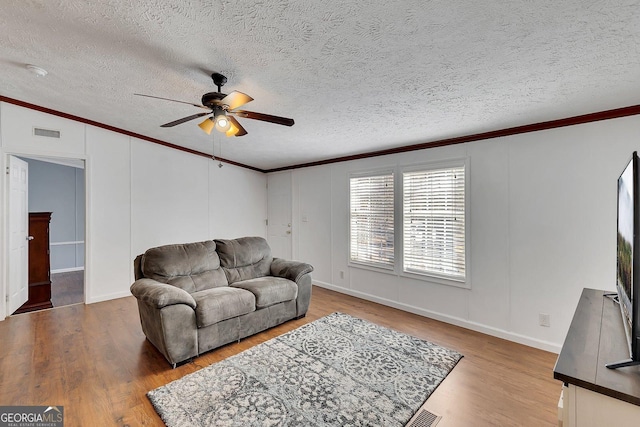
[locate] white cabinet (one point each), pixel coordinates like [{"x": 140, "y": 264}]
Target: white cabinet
[{"x": 586, "y": 408}]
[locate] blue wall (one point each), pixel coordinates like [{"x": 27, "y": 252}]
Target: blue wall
[{"x": 60, "y": 189}]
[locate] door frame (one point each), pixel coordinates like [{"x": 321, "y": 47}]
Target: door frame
[
  {"x": 288, "y": 176},
  {"x": 4, "y": 229}
]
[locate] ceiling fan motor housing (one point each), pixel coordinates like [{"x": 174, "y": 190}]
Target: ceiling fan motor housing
[{"x": 212, "y": 99}]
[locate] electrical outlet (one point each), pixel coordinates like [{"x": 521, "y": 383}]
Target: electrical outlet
[
  {"x": 341, "y": 274},
  {"x": 544, "y": 319}
]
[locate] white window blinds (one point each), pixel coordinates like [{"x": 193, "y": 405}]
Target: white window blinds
[
  {"x": 434, "y": 222},
  {"x": 371, "y": 220}
]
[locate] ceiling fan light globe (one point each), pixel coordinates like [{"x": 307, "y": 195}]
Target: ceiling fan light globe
[
  {"x": 232, "y": 131},
  {"x": 207, "y": 125},
  {"x": 222, "y": 123}
]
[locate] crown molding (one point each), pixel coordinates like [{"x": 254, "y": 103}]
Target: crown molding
[
  {"x": 535, "y": 127},
  {"x": 122, "y": 131}
]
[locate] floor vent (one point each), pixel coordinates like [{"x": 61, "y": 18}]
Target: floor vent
[
  {"x": 424, "y": 418},
  {"x": 46, "y": 132}
]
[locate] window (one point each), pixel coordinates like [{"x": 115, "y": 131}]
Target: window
[
  {"x": 434, "y": 222},
  {"x": 372, "y": 220}
]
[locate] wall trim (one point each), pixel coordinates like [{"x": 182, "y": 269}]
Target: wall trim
[
  {"x": 107, "y": 297},
  {"x": 474, "y": 326},
  {"x": 67, "y": 270},
  {"x": 78, "y": 242},
  {"x": 121, "y": 131},
  {"x": 534, "y": 127}
]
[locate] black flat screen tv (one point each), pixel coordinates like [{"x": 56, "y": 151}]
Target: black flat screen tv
[{"x": 628, "y": 257}]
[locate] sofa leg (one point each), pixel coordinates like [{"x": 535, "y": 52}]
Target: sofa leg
[
  {"x": 184, "y": 362},
  {"x": 301, "y": 316}
]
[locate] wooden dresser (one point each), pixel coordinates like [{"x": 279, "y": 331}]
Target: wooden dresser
[
  {"x": 593, "y": 395},
  {"x": 39, "y": 263}
]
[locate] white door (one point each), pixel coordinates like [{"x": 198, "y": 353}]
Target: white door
[
  {"x": 279, "y": 214},
  {"x": 18, "y": 233}
]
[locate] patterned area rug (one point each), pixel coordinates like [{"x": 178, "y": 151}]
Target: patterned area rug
[{"x": 336, "y": 371}]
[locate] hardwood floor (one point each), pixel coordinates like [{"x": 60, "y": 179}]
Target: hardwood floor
[{"x": 95, "y": 361}]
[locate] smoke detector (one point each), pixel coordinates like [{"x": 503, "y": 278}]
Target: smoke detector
[{"x": 40, "y": 72}]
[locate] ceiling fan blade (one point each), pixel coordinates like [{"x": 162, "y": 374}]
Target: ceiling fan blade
[
  {"x": 235, "y": 99},
  {"x": 173, "y": 100},
  {"x": 183, "y": 120},
  {"x": 236, "y": 128},
  {"x": 264, "y": 117}
]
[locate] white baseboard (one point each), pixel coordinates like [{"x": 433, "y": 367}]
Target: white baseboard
[
  {"x": 115, "y": 295},
  {"x": 474, "y": 326},
  {"x": 66, "y": 270}
]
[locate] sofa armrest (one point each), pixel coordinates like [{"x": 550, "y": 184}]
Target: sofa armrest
[
  {"x": 160, "y": 295},
  {"x": 292, "y": 270}
]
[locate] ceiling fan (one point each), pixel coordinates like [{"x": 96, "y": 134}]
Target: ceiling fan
[{"x": 222, "y": 108}]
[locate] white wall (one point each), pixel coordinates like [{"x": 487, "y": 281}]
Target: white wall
[
  {"x": 543, "y": 227},
  {"x": 237, "y": 202},
  {"x": 139, "y": 195},
  {"x": 108, "y": 267},
  {"x": 169, "y": 192}
]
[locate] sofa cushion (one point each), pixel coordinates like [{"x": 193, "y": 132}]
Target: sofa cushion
[
  {"x": 269, "y": 290},
  {"x": 191, "y": 266},
  {"x": 217, "y": 304},
  {"x": 245, "y": 258}
]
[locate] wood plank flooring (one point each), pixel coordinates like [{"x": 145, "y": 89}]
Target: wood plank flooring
[{"x": 95, "y": 361}]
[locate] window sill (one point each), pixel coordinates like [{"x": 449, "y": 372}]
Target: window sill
[
  {"x": 370, "y": 267},
  {"x": 414, "y": 276},
  {"x": 464, "y": 284}
]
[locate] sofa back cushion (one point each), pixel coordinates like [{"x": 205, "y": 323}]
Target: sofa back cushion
[
  {"x": 244, "y": 258},
  {"x": 190, "y": 266}
]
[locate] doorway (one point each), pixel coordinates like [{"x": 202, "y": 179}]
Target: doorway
[{"x": 57, "y": 186}]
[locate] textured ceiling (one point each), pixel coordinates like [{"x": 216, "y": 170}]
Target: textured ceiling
[{"x": 356, "y": 76}]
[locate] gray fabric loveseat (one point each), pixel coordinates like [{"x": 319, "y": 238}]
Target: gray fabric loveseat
[{"x": 195, "y": 297}]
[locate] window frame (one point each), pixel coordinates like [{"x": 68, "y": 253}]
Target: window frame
[
  {"x": 433, "y": 276},
  {"x": 379, "y": 267},
  {"x": 398, "y": 196}
]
